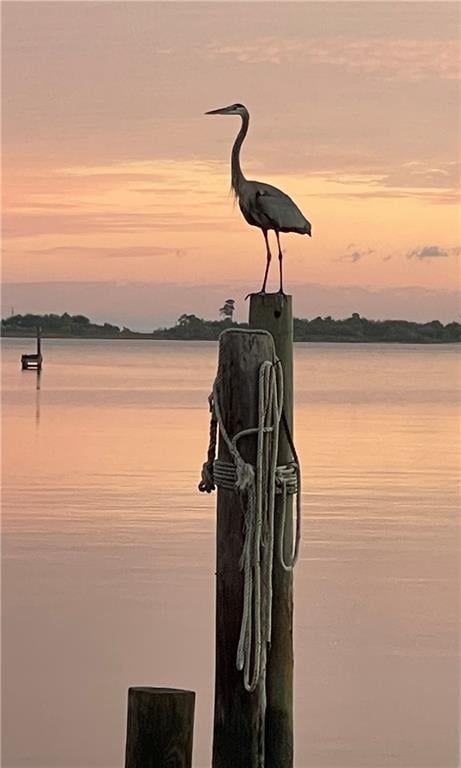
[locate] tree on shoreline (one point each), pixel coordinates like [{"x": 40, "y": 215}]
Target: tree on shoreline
[{"x": 227, "y": 311}]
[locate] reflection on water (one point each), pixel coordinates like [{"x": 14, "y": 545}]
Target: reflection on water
[
  {"x": 37, "y": 396},
  {"x": 108, "y": 550}
]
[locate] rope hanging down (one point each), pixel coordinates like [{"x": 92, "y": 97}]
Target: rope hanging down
[{"x": 257, "y": 487}]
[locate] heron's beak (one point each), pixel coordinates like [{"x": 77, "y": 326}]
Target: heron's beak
[{"x": 221, "y": 111}]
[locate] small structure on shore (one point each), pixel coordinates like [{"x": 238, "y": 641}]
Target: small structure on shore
[{"x": 33, "y": 361}]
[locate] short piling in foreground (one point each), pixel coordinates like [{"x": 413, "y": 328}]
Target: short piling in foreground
[{"x": 159, "y": 728}]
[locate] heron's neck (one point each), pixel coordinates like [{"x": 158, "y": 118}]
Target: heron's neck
[{"x": 237, "y": 176}]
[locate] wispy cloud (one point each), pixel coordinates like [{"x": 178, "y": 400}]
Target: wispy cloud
[
  {"x": 25, "y": 225},
  {"x": 124, "y": 198},
  {"x": 399, "y": 59},
  {"x": 414, "y": 179},
  {"x": 433, "y": 175},
  {"x": 355, "y": 254},
  {"x": 132, "y": 252},
  {"x": 433, "y": 252}
]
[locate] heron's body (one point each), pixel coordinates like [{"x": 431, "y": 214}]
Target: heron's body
[
  {"x": 262, "y": 205},
  {"x": 267, "y": 207}
]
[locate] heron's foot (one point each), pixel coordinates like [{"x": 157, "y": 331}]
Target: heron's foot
[
  {"x": 255, "y": 293},
  {"x": 283, "y": 296}
]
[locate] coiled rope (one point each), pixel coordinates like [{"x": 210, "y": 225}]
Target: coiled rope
[{"x": 257, "y": 487}]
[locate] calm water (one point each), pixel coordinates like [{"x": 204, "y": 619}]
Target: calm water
[{"x": 108, "y": 550}]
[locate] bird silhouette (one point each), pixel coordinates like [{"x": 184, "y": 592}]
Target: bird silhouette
[{"x": 262, "y": 205}]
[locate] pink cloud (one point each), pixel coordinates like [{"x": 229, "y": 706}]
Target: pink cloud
[{"x": 396, "y": 59}]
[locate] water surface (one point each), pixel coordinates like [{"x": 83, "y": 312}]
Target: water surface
[{"x": 108, "y": 550}]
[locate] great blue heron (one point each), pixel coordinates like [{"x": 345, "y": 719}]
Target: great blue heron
[{"x": 262, "y": 205}]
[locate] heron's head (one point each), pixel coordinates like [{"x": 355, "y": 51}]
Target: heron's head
[{"x": 233, "y": 109}]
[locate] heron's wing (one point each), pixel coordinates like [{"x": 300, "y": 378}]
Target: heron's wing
[{"x": 279, "y": 211}]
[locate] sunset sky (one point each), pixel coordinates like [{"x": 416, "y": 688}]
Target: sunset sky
[{"x": 116, "y": 186}]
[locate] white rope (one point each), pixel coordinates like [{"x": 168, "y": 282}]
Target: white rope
[
  {"x": 224, "y": 476},
  {"x": 257, "y": 487}
]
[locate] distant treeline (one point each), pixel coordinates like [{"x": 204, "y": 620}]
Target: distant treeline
[
  {"x": 72, "y": 326},
  {"x": 193, "y": 328},
  {"x": 355, "y": 329}
]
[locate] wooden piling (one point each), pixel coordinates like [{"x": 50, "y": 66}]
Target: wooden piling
[
  {"x": 159, "y": 728},
  {"x": 273, "y": 313},
  {"x": 238, "y": 737}
]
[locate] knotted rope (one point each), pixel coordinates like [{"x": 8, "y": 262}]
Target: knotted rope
[{"x": 257, "y": 487}]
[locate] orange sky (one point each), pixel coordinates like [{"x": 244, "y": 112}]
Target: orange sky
[{"x": 116, "y": 192}]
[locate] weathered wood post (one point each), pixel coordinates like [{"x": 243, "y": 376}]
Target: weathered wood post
[
  {"x": 238, "y": 737},
  {"x": 273, "y": 313},
  {"x": 159, "y": 728}
]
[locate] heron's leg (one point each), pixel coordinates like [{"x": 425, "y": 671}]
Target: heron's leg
[
  {"x": 280, "y": 263},
  {"x": 268, "y": 257}
]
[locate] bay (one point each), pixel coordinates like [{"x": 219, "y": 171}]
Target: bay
[{"x": 108, "y": 550}]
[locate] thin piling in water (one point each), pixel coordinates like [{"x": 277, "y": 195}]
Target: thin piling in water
[
  {"x": 33, "y": 361},
  {"x": 273, "y": 312}
]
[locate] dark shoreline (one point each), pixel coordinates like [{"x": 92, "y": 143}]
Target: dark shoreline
[
  {"x": 189, "y": 327},
  {"x": 312, "y": 340}
]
